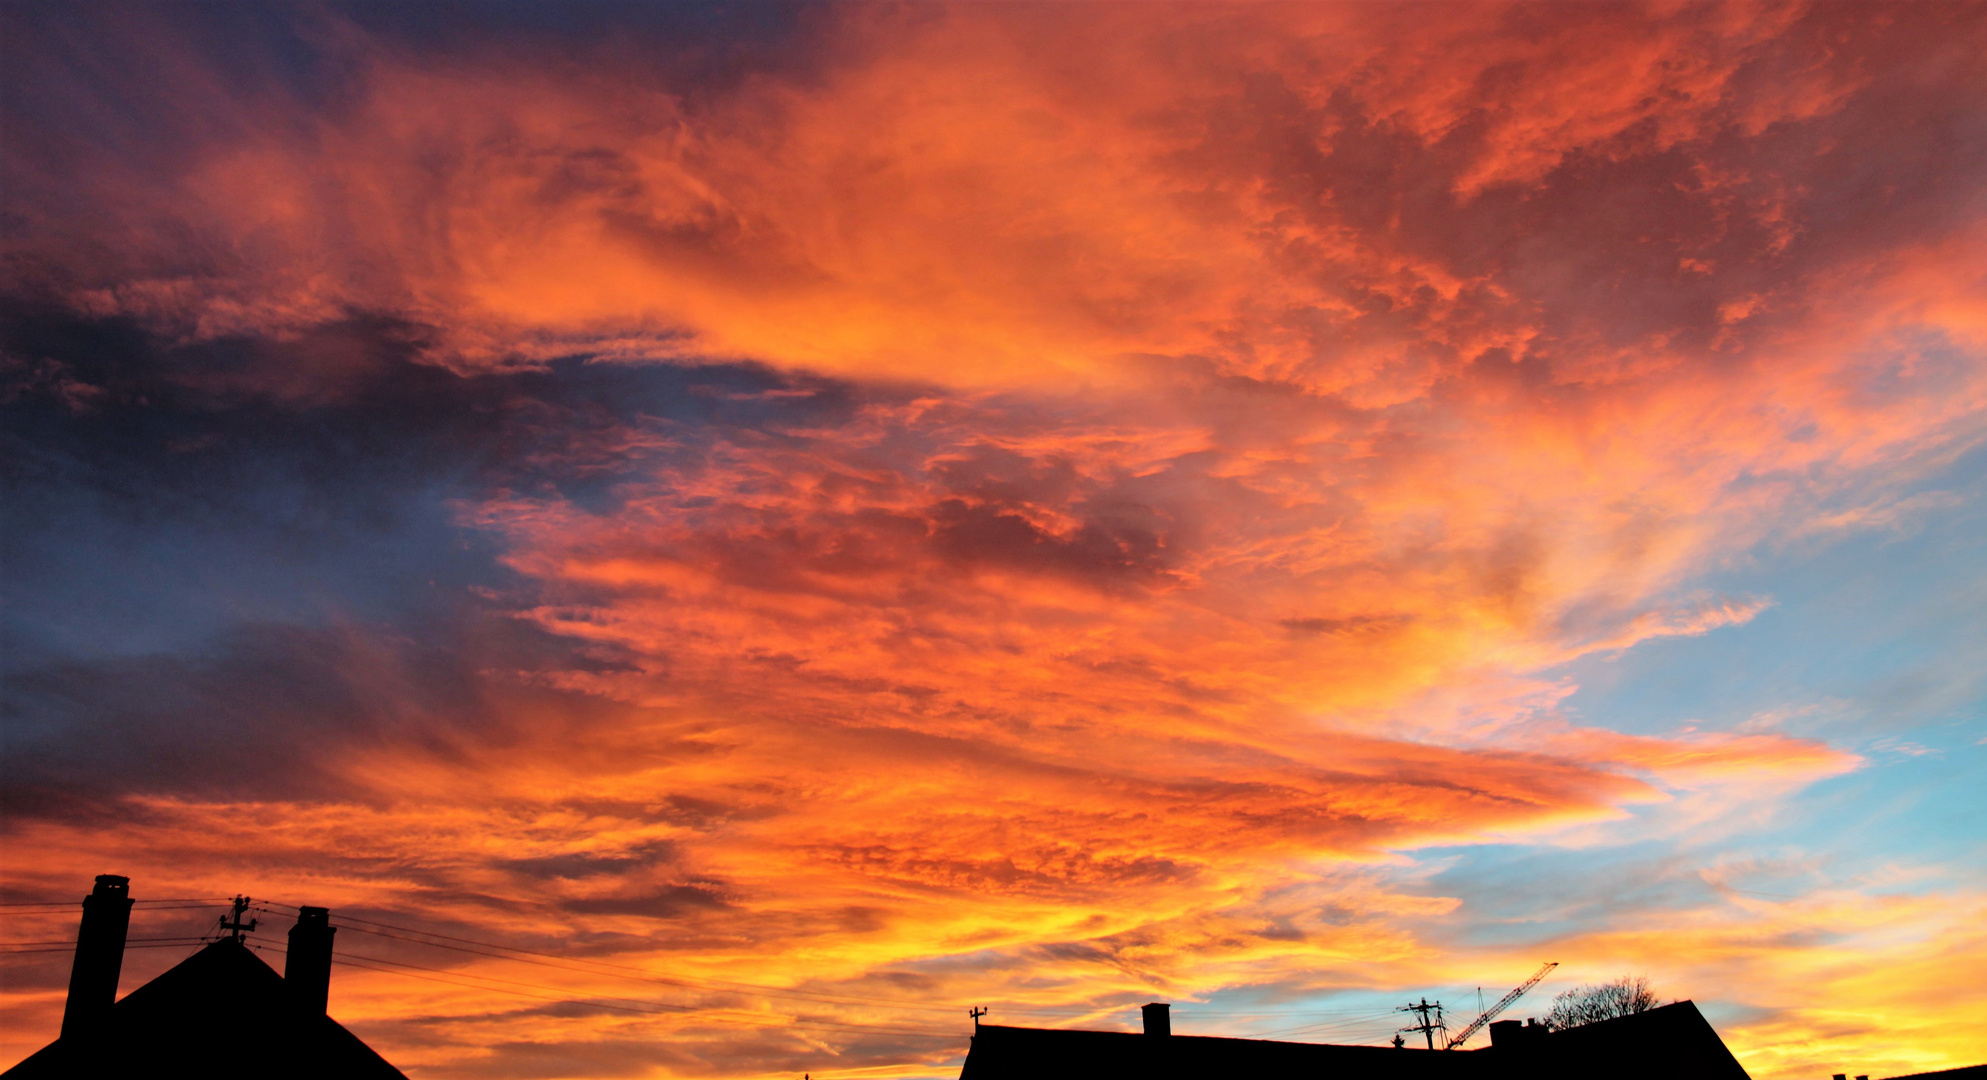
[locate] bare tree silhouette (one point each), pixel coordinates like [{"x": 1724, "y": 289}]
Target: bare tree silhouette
[{"x": 1585, "y": 1004}]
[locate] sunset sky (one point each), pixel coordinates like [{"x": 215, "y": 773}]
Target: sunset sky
[{"x": 807, "y": 519}]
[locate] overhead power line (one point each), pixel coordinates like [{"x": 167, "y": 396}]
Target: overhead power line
[
  {"x": 77, "y": 904},
  {"x": 585, "y": 966},
  {"x": 70, "y": 944},
  {"x": 1361, "y": 1023},
  {"x": 559, "y": 995},
  {"x": 492, "y": 950},
  {"x": 613, "y": 970},
  {"x": 604, "y": 968},
  {"x": 71, "y": 948}
]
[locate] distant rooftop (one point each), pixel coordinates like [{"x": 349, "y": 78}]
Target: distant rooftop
[{"x": 1673, "y": 1042}]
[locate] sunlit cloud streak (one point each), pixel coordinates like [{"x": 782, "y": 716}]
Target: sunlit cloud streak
[{"x": 1047, "y": 505}]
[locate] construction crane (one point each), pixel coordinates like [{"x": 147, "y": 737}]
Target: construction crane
[{"x": 1503, "y": 1003}]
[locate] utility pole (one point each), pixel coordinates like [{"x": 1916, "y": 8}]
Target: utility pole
[
  {"x": 1429, "y": 1024},
  {"x": 231, "y": 922},
  {"x": 976, "y": 1012}
]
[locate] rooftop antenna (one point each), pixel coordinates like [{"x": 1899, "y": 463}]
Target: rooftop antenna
[
  {"x": 976, "y": 1012},
  {"x": 1503, "y": 1003},
  {"x": 231, "y": 922},
  {"x": 1427, "y": 1026}
]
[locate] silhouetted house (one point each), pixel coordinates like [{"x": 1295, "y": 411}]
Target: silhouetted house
[
  {"x": 221, "y": 1012},
  {"x": 1669, "y": 1043},
  {"x": 1665, "y": 1042}
]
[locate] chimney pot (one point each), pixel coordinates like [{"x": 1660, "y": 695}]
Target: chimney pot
[
  {"x": 99, "y": 958},
  {"x": 1158, "y": 1019},
  {"x": 307, "y": 969}
]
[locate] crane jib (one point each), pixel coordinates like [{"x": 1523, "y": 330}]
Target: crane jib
[{"x": 1503, "y": 1003}]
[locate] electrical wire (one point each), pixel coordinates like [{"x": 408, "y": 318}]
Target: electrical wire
[
  {"x": 1333, "y": 1027},
  {"x": 550, "y": 993},
  {"x": 515, "y": 954},
  {"x": 660, "y": 979},
  {"x": 653, "y": 1008},
  {"x": 70, "y": 904},
  {"x": 71, "y": 944},
  {"x": 559, "y": 996},
  {"x": 553, "y": 960},
  {"x": 66, "y": 949},
  {"x": 594, "y": 967}
]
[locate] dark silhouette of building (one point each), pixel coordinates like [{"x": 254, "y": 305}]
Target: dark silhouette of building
[
  {"x": 1673, "y": 1042},
  {"x": 219, "y": 1012},
  {"x": 1969, "y": 1072}
]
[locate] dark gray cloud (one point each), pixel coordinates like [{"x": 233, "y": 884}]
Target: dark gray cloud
[{"x": 226, "y": 560}]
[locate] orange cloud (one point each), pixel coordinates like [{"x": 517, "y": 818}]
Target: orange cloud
[
  {"x": 1240, "y": 416},
  {"x": 1024, "y": 198}
]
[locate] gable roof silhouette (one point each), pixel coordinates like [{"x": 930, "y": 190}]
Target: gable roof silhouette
[
  {"x": 1673, "y": 1042},
  {"x": 221, "y": 1011},
  {"x": 1669, "y": 1041}
]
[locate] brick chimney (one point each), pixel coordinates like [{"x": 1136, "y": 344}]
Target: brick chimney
[
  {"x": 1158, "y": 1019},
  {"x": 99, "y": 958},
  {"x": 308, "y": 968}
]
